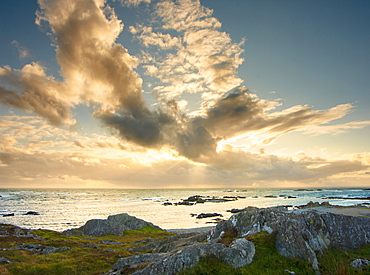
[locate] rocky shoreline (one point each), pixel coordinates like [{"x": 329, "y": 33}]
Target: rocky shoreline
[{"x": 303, "y": 233}]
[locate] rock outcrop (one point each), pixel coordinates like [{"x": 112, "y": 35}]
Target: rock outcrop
[
  {"x": 238, "y": 254},
  {"x": 300, "y": 233},
  {"x": 114, "y": 225}
]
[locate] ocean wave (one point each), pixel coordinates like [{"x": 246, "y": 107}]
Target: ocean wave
[{"x": 153, "y": 199}]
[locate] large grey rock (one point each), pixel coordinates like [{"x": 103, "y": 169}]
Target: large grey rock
[
  {"x": 239, "y": 254},
  {"x": 130, "y": 222},
  {"x": 137, "y": 260},
  {"x": 99, "y": 228},
  {"x": 186, "y": 258},
  {"x": 114, "y": 225},
  {"x": 303, "y": 233}
]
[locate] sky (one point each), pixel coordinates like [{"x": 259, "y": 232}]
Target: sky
[{"x": 184, "y": 93}]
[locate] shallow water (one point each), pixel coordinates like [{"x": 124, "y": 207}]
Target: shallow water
[{"x": 62, "y": 209}]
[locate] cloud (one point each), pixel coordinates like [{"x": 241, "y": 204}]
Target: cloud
[
  {"x": 23, "y": 52},
  {"x": 204, "y": 57},
  {"x": 132, "y": 3},
  {"x": 99, "y": 70},
  {"x": 33, "y": 91},
  {"x": 192, "y": 55},
  {"x": 143, "y": 128},
  {"x": 150, "y": 38}
]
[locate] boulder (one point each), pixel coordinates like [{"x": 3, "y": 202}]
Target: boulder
[
  {"x": 99, "y": 228},
  {"x": 130, "y": 222},
  {"x": 239, "y": 254},
  {"x": 300, "y": 233},
  {"x": 114, "y": 225},
  {"x": 186, "y": 258},
  {"x": 185, "y": 252}
]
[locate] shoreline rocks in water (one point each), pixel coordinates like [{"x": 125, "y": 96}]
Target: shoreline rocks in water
[
  {"x": 346, "y": 198},
  {"x": 196, "y": 199}
]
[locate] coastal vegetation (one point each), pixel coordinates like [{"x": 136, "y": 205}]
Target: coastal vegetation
[
  {"x": 97, "y": 255},
  {"x": 84, "y": 254},
  {"x": 310, "y": 240},
  {"x": 268, "y": 261}
]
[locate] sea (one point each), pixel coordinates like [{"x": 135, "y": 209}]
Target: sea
[{"x": 61, "y": 209}]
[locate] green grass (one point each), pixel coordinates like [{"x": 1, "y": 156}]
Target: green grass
[
  {"x": 337, "y": 262},
  {"x": 78, "y": 260},
  {"x": 267, "y": 261},
  {"x": 84, "y": 260}
]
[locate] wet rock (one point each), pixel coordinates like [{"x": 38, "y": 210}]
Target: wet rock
[
  {"x": 208, "y": 215},
  {"x": 196, "y": 198},
  {"x": 231, "y": 197},
  {"x": 32, "y": 213},
  {"x": 313, "y": 204},
  {"x": 8, "y": 215},
  {"x": 346, "y": 198}
]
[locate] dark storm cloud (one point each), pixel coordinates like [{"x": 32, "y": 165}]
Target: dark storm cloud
[
  {"x": 144, "y": 128},
  {"x": 39, "y": 103}
]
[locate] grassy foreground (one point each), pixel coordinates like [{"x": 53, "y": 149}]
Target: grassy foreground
[
  {"x": 268, "y": 261},
  {"x": 96, "y": 255},
  {"x": 86, "y": 255}
]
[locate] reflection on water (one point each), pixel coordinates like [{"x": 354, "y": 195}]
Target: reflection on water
[{"x": 61, "y": 209}]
